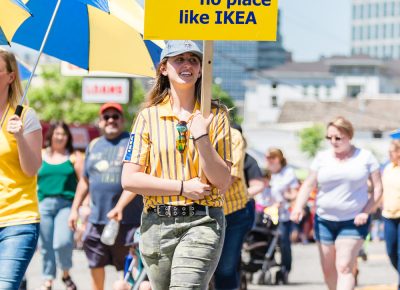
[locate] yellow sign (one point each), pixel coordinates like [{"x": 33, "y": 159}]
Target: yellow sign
[{"x": 211, "y": 19}]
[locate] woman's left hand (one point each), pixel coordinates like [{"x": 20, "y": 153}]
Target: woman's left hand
[
  {"x": 199, "y": 125},
  {"x": 361, "y": 219},
  {"x": 15, "y": 127}
]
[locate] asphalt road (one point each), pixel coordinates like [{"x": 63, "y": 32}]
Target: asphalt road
[{"x": 375, "y": 274}]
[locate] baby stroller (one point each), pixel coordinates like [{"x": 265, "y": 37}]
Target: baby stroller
[
  {"x": 130, "y": 263},
  {"x": 260, "y": 249}
]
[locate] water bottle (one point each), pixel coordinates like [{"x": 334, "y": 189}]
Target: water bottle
[{"x": 110, "y": 233}]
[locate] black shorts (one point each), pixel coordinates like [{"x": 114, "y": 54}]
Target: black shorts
[{"x": 100, "y": 255}]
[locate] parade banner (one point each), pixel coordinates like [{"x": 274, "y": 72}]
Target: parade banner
[{"x": 211, "y": 19}]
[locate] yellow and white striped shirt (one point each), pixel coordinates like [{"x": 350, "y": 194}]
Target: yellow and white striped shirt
[{"x": 154, "y": 137}]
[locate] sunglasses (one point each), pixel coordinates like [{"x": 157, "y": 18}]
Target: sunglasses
[
  {"x": 181, "y": 141},
  {"x": 334, "y": 138},
  {"x": 114, "y": 116}
]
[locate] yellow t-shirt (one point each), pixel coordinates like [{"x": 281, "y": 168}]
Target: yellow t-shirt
[
  {"x": 153, "y": 145},
  {"x": 391, "y": 191},
  {"x": 236, "y": 196},
  {"x": 18, "y": 195}
]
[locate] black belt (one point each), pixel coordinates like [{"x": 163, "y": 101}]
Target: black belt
[{"x": 174, "y": 211}]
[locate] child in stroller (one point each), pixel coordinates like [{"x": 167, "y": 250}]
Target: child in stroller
[
  {"x": 260, "y": 249},
  {"x": 135, "y": 277}
]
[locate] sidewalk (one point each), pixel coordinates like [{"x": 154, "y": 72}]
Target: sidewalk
[{"x": 375, "y": 274}]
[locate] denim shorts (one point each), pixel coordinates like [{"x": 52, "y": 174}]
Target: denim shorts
[{"x": 327, "y": 232}]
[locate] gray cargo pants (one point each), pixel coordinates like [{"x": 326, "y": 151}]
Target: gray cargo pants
[{"x": 182, "y": 252}]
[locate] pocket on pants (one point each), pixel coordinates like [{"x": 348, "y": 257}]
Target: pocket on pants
[{"x": 150, "y": 236}]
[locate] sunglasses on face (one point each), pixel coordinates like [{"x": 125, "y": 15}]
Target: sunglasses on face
[
  {"x": 181, "y": 141},
  {"x": 114, "y": 116},
  {"x": 334, "y": 138}
]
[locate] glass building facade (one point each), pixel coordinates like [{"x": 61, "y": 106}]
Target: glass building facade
[{"x": 376, "y": 28}]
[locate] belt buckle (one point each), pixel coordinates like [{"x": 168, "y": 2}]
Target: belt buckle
[
  {"x": 158, "y": 210},
  {"x": 167, "y": 211}
]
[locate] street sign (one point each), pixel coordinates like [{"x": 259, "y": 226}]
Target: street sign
[
  {"x": 211, "y": 19},
  {"x": 103, "y": 90}
]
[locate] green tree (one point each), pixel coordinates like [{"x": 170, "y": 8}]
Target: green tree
[
  {"x": 134, "y": 105},
  {"x": 59, "y": 98},
  {"x": 311, "y": 139},
  {"x": 226, "y": 99}
]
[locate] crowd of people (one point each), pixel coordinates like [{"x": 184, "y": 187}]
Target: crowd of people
[{"x": 187, "y": 182}]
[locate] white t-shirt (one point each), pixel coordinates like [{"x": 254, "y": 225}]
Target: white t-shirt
[
  {"x": 343, "y": 188},
  {"x": 281, "y": 182}
]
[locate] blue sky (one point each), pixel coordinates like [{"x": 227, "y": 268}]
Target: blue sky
[{"x": 312, "y": 28}]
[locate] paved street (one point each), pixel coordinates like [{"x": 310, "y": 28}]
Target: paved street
[{"x": 375, "y": 274}]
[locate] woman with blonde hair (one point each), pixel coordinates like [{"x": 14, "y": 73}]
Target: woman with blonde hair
[
  {"x": 20, "y": 159},
  {"x": 183, "y": 224},
  {"x": 391, "y": 206},
  {"x": 343, "y": 205}
]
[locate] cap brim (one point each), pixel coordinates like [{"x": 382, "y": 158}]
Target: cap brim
[{"x": 199, "y": 54}]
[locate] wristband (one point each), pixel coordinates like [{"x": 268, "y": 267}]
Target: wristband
[
  {"x": 201, "y": 136},
  {"x": 180, "y": 193}
]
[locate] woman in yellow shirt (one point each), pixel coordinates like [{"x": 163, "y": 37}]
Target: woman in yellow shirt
[
  {"x": 20, "y": 159},
  {"x": 391, "y": 205},
  {"x": 183, "y": 223}
]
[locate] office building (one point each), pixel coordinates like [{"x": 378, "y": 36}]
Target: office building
[{"x": 376, "y": 28}]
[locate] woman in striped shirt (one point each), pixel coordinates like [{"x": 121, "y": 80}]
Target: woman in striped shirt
[{"x": 183, "y": 224}]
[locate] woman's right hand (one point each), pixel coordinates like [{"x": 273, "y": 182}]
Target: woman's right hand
[
  {"x": 296, "y": 215},
  {"x": 194, "y": 189}
]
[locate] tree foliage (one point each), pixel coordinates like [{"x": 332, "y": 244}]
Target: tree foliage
[
  {"x": 311, "y": 139},
  {"x": 59, "y": 98}
]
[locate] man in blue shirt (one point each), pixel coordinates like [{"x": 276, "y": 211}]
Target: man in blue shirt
[{"x": 102, "y": 178}]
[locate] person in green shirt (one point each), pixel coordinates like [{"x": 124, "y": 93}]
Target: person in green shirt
[{"x": 57, "y": 181}]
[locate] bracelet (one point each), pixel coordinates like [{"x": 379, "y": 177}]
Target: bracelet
[
  {"x": 180, "y": 193},
  {"x": 201, "y": 136}
]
